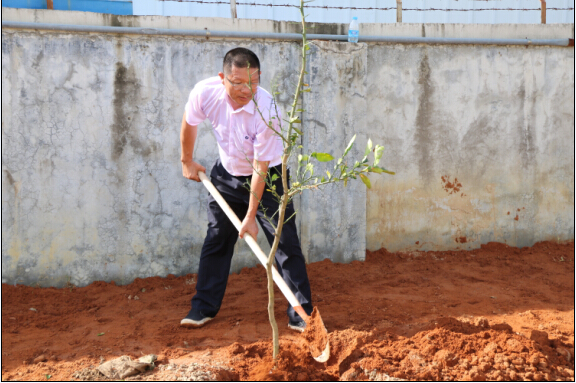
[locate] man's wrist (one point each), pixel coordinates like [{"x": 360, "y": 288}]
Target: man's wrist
[
  {"x": 186, "y": 161},
  {"x": 251, "y": 214}
]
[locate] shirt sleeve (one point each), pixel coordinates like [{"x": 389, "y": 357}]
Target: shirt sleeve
[
  {"x": 268, "y": 145},
  {"x": 194, "y": 113}
]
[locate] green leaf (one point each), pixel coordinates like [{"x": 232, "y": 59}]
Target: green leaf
[
  {"x": 375, "y": 169},
  {"x": 322, "y": 157},
  {"x": 306, "y": 90},
  {"x": 295, "y": 120},
  {"x": 368, "y": 147},
  {"x": 274, "y": 177},
  {"x": 378, "y": 151},
  {"x": 349, "y": 146},
  {"x": 329, "y": 176},
  {"x": 297, "y": 130},
  {"x": 100, "y": 334},
  {"x": 48, "y": 376},
  {"x": 378, "y": 169},
  {"x": 366, "y": 181},
  {"x": 323, "y": 179}
]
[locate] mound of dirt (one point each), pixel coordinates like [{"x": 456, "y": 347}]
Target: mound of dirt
[
  {"x": 444, "y": 353},
  {"x": 495, "y": 313}
]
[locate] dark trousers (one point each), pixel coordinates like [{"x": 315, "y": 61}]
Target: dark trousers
[{"x": 221, "y": 237}]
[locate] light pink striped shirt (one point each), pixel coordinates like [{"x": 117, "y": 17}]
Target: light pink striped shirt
[{"x": 241, "y": 134}]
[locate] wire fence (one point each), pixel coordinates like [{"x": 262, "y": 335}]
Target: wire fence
[
  {"x": 260, "y": 6},
  {"x": 253, "y": 4}
]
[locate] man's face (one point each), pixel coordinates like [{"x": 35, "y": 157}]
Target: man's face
[{"x": 236, "y": 84}]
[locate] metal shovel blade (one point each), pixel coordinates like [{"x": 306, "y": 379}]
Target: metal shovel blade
[
  {"x": 323, "y": 358},
  {"x": 316, "y": 335}
]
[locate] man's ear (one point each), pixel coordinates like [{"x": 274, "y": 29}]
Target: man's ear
[{"x": 221, "y": 77}]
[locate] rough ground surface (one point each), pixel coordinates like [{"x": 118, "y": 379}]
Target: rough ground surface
[{"x": 496, "y": 313}]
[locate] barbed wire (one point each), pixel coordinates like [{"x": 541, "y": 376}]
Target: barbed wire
[{"x": 371, "y": 8}]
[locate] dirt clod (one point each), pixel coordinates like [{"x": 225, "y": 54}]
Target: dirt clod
[{"x": 39, "y": 359}]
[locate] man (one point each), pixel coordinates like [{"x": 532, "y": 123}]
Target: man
[{"x": 248, "y": 147}]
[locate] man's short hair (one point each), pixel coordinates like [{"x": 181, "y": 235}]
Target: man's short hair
[{"x": 240, "y": 58}]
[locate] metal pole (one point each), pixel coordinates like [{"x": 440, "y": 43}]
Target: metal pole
[
  {"x": 398, "y": 11},
  {"x": 278, "y": 36},
  {"x": 233, "y": 9},
  {"x": 543, "y": 11}
]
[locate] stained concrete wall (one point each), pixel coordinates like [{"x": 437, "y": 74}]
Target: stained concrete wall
[
  {"x": 482, "y": 138},
  {"x": 91, "y": 180},
  {"x": 334, "y": 223}
]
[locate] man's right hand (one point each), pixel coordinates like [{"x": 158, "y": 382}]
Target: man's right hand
[{"x": 190, "y": 170}]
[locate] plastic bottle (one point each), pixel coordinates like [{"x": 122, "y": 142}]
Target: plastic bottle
[{"x": 353, "y": 31}]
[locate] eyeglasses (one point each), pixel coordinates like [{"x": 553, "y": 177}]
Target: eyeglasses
[{"x": 239, "y": 85}]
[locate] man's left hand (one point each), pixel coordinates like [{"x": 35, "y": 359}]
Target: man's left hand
[{"x": 249, "y": 226}]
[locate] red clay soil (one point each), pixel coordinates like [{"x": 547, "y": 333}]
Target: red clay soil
[{"x": 495, "y": 313}]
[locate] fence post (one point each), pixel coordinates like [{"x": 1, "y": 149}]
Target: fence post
[
  {"x": 543, "y": 11},
  {"x": 49, "y": 4},
  {"x": 233, "y": 9},
  {"x": 398, "y": 11}
]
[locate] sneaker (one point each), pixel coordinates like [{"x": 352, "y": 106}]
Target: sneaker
[
  {"x": 194, "y": 320},
  {"x": 297, "y": 326}
]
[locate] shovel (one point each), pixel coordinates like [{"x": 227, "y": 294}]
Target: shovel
[{"x": 324, "y": 355}]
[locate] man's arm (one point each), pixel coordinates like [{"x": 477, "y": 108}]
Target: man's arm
[
  {"x": 256, "y": 190},
  {"x": 188, "y": 135}
]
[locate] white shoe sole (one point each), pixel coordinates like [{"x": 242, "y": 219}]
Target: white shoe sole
[
  {"x": 296, "y": 328},
  {"x": 194, "y": 323}
]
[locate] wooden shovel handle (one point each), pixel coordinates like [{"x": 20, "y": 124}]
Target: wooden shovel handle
[{"x": 254, "y": 246}]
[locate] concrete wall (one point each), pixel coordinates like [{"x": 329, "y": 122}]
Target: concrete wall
[
  {"x": 500, "y": 120},
  {"x": 494, "y": 31},
  {"x": 91, "y": 180}
]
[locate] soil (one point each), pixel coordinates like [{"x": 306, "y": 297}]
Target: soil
[{"x": 495, "y": 313}]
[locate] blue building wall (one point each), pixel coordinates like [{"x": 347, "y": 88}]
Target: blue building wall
[{"x": 115, "y": 7}]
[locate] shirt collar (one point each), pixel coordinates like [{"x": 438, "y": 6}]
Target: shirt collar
[{"x": 250, "y": 107}]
